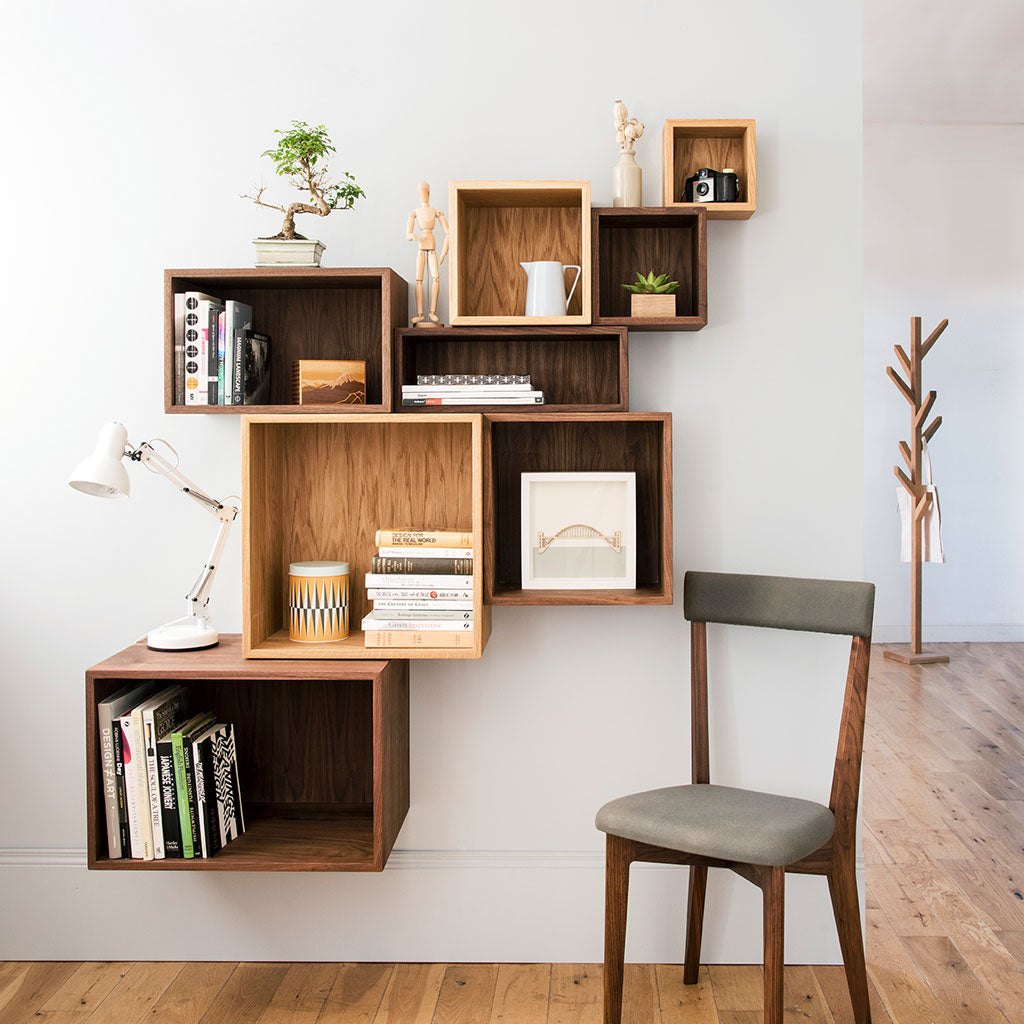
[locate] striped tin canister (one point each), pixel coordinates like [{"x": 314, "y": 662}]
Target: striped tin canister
[{"x": 318, "y": 602}]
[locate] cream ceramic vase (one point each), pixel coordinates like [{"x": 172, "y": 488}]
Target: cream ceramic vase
[{"x": 627, "y": 181}]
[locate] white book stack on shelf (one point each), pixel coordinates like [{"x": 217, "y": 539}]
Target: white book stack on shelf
[{"x": 471, "y": 389}]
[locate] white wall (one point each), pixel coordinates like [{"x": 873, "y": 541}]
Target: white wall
[
  {"x": 936, "y": 248},
  {"x": 511, "y": 756}
]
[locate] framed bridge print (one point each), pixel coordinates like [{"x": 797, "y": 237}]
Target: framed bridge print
[{"x": 579, "y": 531}]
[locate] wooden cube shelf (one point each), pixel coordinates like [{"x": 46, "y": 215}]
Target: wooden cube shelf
[
  {"x": 690, "y": 145},
  {"x": 668, "y": 241},
  {"x": 585, "y": 369},
  {"x": 323, "y": 755},
  {"x": 319, "y": 487},
  {"x": 496, "y": 225},
  {"x": 309, "y": 313},
  {"x": 518, "y": 443}
]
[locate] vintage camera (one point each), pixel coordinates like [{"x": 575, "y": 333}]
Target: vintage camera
[{"x": 709, "y": 186}]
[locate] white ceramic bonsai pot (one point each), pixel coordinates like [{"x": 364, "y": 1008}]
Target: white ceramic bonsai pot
[{"x": 288, "y": 252}]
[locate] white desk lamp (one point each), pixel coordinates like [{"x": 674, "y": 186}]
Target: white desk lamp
[{"x": 103, "y": 475}]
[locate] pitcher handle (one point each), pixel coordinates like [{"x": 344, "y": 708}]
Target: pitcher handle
[{"x": 572, "y": 290}]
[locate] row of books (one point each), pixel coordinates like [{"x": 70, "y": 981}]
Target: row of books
[
  {"x": 421, "y": 585},
  {"x": 219, "y": 359},
  {"x": 170, "y": 778},
  {"x": 472, "y": 389}
]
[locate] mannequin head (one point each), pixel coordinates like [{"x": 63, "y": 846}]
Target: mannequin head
[{"x": 424, "y": 190}]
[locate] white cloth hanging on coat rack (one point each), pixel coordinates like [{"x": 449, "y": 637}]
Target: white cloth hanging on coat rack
[{"x": 931, "y": 532}]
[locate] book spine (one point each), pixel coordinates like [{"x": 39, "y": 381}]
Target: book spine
[
  {"x": 109, "y": 774},
  {"x": 229, "y": 798},
  {"x": 179, "y": 348},
  {"x": 237, "y": 367},
  {"x": 122, "y": 796},
  {"x": 153, "y": 785},
  {"x": 464, "y": 379},
  {"x": 529, "y": 399},
  {"x": 142, "y": 798},
  {"x": 210, "y": 322},
  {"x": 431, "y": 597},
  {"x": 206, "y": 798},
  {"x": 222, "y": 356},
  {"x": 400, "y": 608},
  {"x": 168, "y": 799},
  {"x": 417, "y": 582},
  {"x": 414, "y": 638},
  {"x": 195, "y": 361},
  {"x": 424, "y": 538},
  {"x": 383, "y": 622},
  {"x": 198, "y": 781},
  {"x": 181, "y": 786},
  {"x": 132, "y": 758},
  {"x": 424, "y": 566},
  {"x": 425, "y": 391},
  {"x": 424, "y": 551}
]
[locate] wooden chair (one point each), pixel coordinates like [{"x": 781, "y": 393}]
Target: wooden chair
[{"x": 759, "y": 836}]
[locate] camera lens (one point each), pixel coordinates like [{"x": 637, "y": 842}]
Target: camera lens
[{"x": 702, "y": 188}]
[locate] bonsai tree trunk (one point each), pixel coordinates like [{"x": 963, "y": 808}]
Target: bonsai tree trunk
[{"x": 288, "y": 228}]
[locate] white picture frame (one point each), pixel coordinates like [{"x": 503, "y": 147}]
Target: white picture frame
[{"x": 585, "y": 523}]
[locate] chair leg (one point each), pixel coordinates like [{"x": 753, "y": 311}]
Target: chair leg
[
  {"x": 842, "y": 886},
  {"x": 618, "y": 856},
  {"x": 773, "y": 891},
  {"x": 694, "y": 922}
]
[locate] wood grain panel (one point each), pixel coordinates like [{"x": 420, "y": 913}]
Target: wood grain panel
[
  {"x": 578, "y": 368},
  {"x": 357, "y": 993},
  {"x": 688, "y": 145},
  {"x": 192, "y": 992},
  {"x": 521, "y": 994},
  {"x": 467, "y": 994},
  {"x": 246, "y": 994}
]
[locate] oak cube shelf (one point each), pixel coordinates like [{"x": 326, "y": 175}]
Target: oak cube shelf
[
  {"x": 518, "y": 443},
  {"x": 319, "y": 487},
  {"x": 323, "y": 755},
  {"x": 668, "y": 241},
  {"x": 309, "y": 313},
  {"x": 690, "y": 145},
  {"x": 585, "y": 369},
  {"x": 495, "y": 226}
]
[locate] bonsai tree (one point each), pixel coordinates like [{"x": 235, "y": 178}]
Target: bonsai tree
[
  {"x": 651, "y": 285},
  {"x": 301, "y": 157}
]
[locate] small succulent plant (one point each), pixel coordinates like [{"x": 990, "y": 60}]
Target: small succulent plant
[{"x": 651, "y": 285}]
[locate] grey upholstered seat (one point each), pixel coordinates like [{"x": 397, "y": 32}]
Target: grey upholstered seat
[{"x": 721, "y": 823}]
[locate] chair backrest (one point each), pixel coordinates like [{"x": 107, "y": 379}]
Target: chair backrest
[
  {"x": 782, "y": 602},
  {"x": 779, "y": 602}
]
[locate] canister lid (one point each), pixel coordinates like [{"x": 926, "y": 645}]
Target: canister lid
[{"x": 318, "y": 569}]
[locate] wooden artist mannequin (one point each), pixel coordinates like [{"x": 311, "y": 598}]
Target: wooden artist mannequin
[{"x": 423, "y": 218}]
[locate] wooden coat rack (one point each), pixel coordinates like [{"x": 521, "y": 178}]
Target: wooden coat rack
[{"x": 912, "y": 480}]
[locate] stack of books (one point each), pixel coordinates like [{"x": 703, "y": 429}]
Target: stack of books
[
  {"x": 170, "y": 778},
  {"x": 472, "y": 389},
  {"x": 421, "y": 586},
  {"x": 218, "y": 358}
]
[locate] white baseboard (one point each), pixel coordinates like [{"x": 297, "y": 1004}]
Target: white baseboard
[{"x": 997, "y": 633}]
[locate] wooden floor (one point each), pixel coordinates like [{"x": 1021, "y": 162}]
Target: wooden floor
[{"x": 943, "y": 838}]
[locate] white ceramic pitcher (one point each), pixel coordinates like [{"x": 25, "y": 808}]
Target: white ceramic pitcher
[{"x": 545, "y": 287}]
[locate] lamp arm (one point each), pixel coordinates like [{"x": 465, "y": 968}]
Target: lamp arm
[{"x": 198, "y": 598}]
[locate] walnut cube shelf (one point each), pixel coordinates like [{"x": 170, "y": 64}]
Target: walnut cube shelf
[
  {"x": 319, "y": 487},
  {"x": 309, "y": 313},
  {"x": 496, "y": 225},
  {"x": 627, "y": 241},
  {"x": 690, "y": 145},
  {"x": 323, "y": 755},
  {"x": 583, "y": 369},
  {"x": 517, "y": 443}
]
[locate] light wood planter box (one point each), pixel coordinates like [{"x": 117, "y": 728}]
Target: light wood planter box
[
  {"x": 319, "y": 487},
  {"x": 496, "y": 225},
  {"x": 690, "y": 145},
  {"x": 323, "y": 755},
  {"x": 652, "y": 306},
  {"x": 516, "y": 443},
  {"x": 581, "y": 369},
  {"x": 309, "y": 313}
]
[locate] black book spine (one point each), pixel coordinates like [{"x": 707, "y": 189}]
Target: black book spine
[
  {"x": 190, "y": 786},
  {"x": 423, "y": 565},
  {"x": 238, "y": 367},
  {"x": 122, "y": 793},
  {"x": 208, "y": 805},
  {"x": 212, "y": 350},
  {"x": 168, "y": 799}
]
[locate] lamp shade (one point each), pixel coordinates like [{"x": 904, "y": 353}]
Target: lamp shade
[{"x": 103, "y": 474}]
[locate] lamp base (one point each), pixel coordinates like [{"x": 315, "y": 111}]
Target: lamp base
[{"x": 191, "y": 633}]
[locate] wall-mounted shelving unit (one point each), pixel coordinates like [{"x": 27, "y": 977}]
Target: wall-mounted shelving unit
[
  {"x": 309, "y": 313},
  {"x": 319, "y": 487},
  {"x": 668, "y": 241},
  {"x": 517, "y": 443},
  {"x": 323, "y": 755},
  {"x": 718, "y": 144},
  {"x": 585, "y": 369},
  {"x": 496, "y": 225}
]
